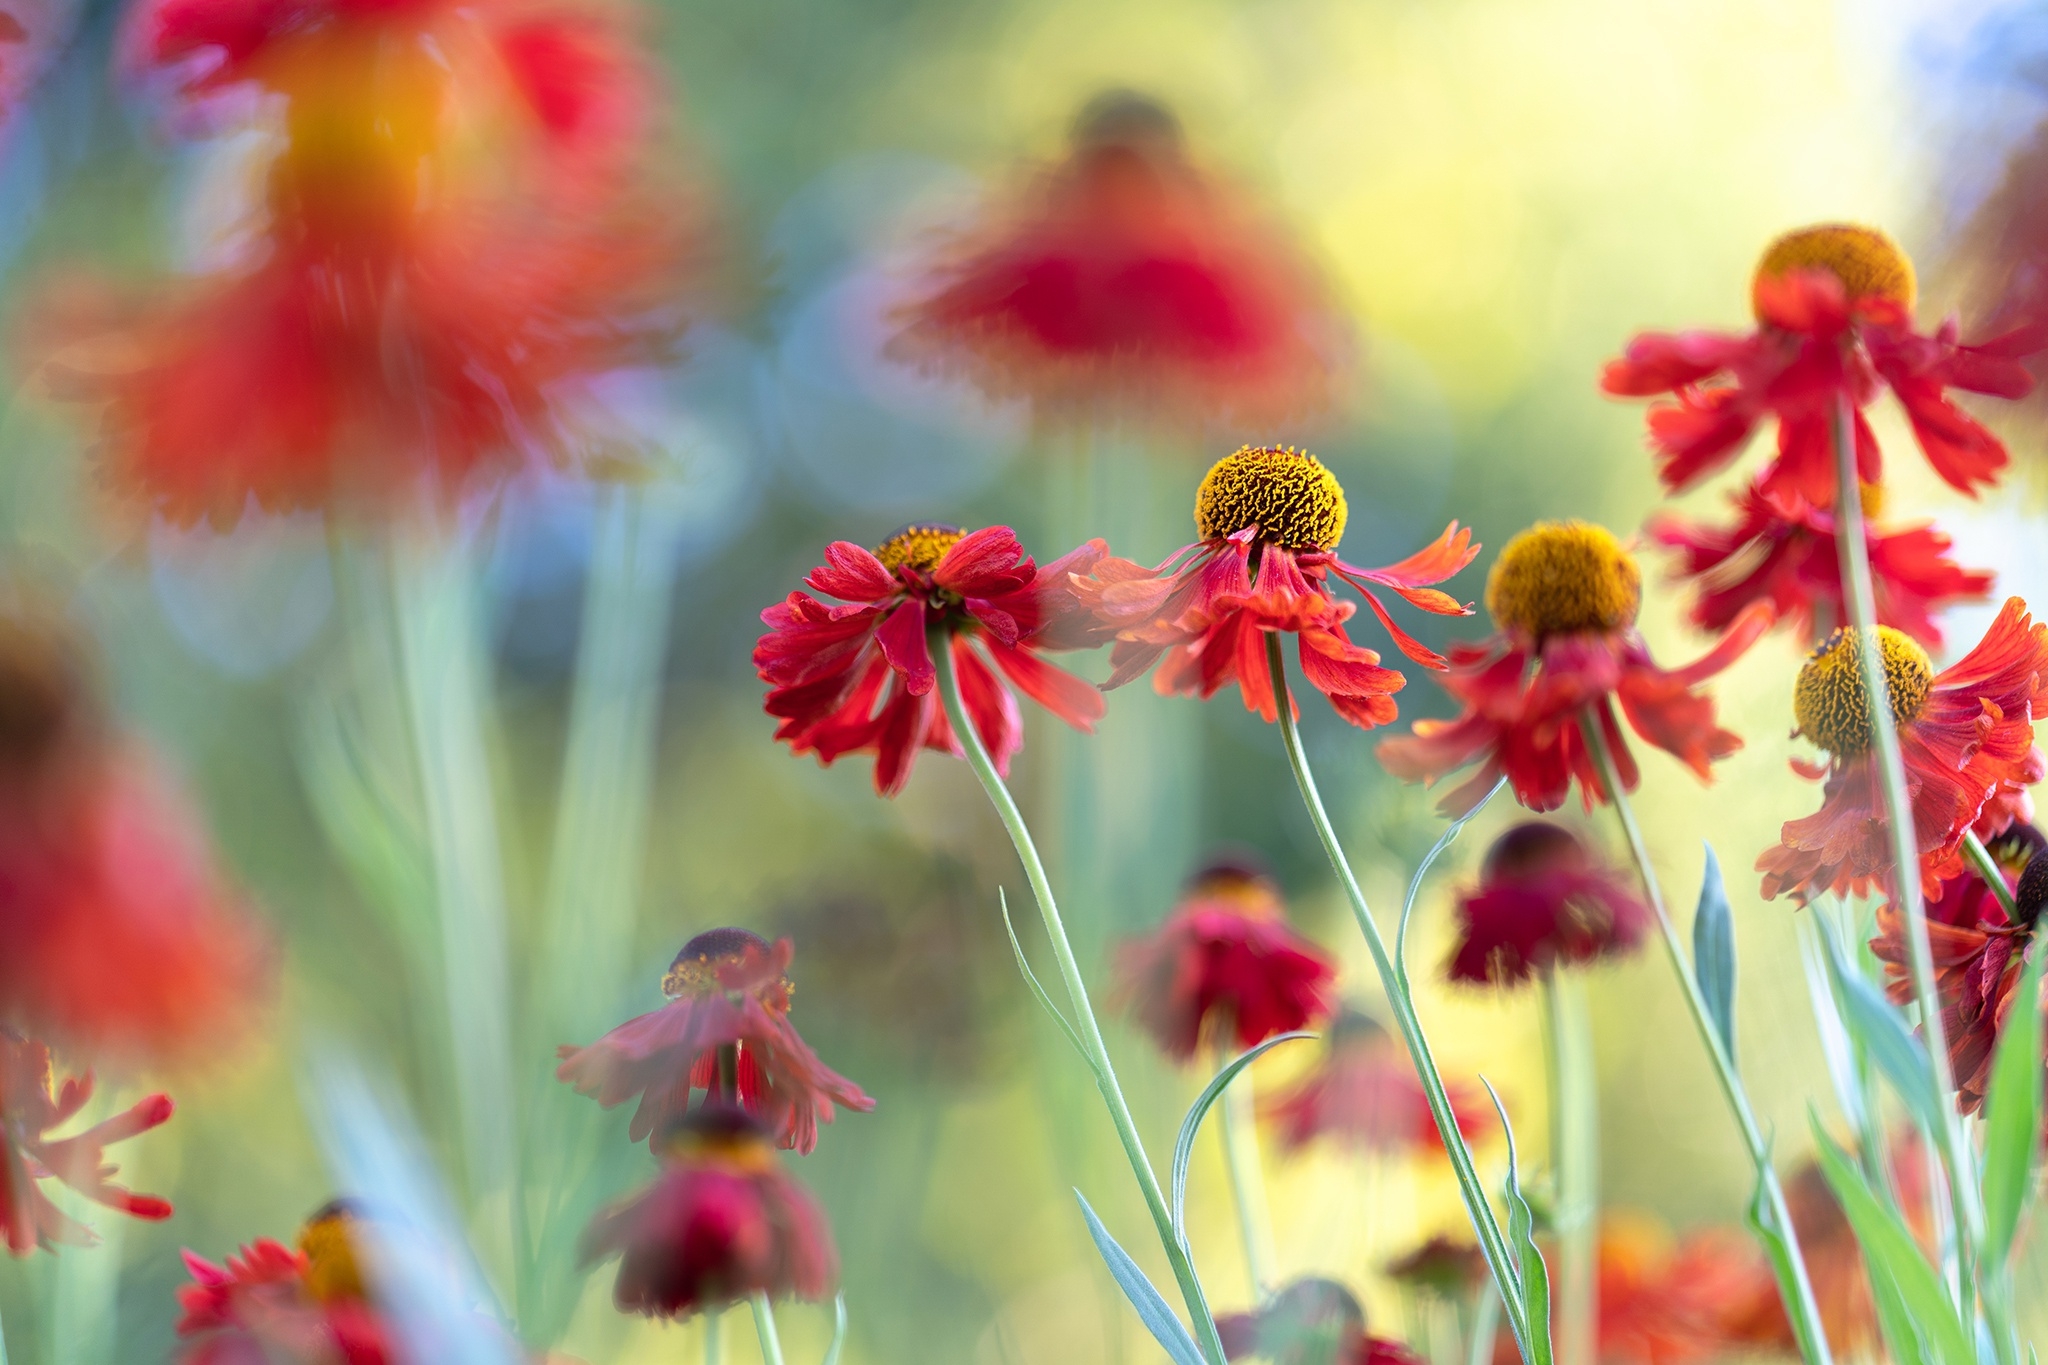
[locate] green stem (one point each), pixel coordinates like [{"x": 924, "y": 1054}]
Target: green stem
[
  {"x": 1993, "y": 876},
  {"x": 764, "y": 1328},
  {"x": 1491, "y": 1240},
  {"x": 1800, "y": 1306},
  {"x": 1247, "y": 1181},
  {"x": 1485, "y": 1326},
  {"x": 1575, "y": 1167},
  {"x": 714, "y": 1344},
  {"x": 1090, "y": 1032}
]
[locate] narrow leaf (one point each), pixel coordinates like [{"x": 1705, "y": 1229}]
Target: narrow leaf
[
  {"x": 1031, "y": 978},
  {"x": 1784, "y": 1265},
  {"x": 1535, "y": 1277},
  {"x": 1873, "y": 1022},
  {"x": 1184, "y": 1145},
  {"x": 838, "y": 1331},
  {"x": 2012, "y": 1111},
  {"x": 1844, "y": 1066},
  {"x": 1422, "y": 870},
  {"x": 1159, "y": 1320},
  {"x": 1713, "y": 952}
]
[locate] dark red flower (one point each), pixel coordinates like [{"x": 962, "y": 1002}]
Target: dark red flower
[
  {"x": 1224, "y": 968},
  {"x": 859, "y": 678},
  {"x": 31, "y": 1104},
  {"x": 1966, "y": 735},
  {"x": 1543, "y": 901},
  {"x": 721, "y": 1223},
  {"x": 1127, "y": 283},
  {"x": 1447, "y": 1269},
  {"x": 1564, "y": 597},
  {"x": 727, "y": 989},
  {"x": 1365, "y": 1095},
  {"x": 1834, "y": 306},
  {"x": 1310, "y": 1322},
  {"x": 1791, "y": 562},
  {"x": 1270, "y": 521}
]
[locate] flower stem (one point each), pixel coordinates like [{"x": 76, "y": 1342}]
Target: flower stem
[
  {"x": 1234, "y": 1110},
  {"x": 1797, "y": 1291},
  {"x": 1089, "y": 1031},
  {"x": 1575, "y": 1166},
  {"x": 1988, "y": 869},
  {"x": 1491, "y": 1240},
  {"x": 764, "y": 1328},
  {"x": 714, "y": 1344}
]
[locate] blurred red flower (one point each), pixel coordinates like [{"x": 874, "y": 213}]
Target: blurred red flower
[
  {"x": 1127, "y": 283},
  {"x": 1364, "y": 1094},
  {"x": 1564, "y": 597},
  {"x": 729, "y": 992},
  {"x": 721, "y": 1223},
  {"x": 1966, "y": 735},
  {"x": 1447, "y": 1269},
  {"x": 859, "y": 678},
  {"x": 31, "y": 1104},
  {"x": 1270, "y": 520},
  {"x": 1310, "y": 1322},
  {"x": 1666, "y": 1303},
  {"x": 1225, "y": 968},
  {"x": 1543, "y": 901},
  {"x": 1834, "y": 304}
]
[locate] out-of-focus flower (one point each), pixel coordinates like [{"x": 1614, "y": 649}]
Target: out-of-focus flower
[
  {"x": 1564, "y": 597},
  {"x": 1834, "y": 1267},
  {"x": 729, "y": 994},
  {"x": 1310, "y": 1322},
  {"x": 1791, "y": 562},
  {"x": 1966, "y": 735},
  {"x": 1447, "y": 1269},
  {"x": 1543, "y": 901},
  {"x": 2002, "y": 251},
  {"x": 452, "y": 226},
  {"x": 1834, "y": 305},
  {"x": 1270, "y": 520},
  {"x": 721, "y": 1223},
  {"x": 1225, "y": 968},
  {"x": 1666, "y": 1303},
  {"x": 1365, "y": 1095},
  {"x": 1127, "y": 284},
  {"x": 31, "y": 1104},
  {"x": 859, "y": 678}
]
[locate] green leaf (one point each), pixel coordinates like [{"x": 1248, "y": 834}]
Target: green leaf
[
  {"x": 1535, "y": 1275},
  {"x": 1882, "y": 1032},
  {"x": 1159, "y": 1320},
  {"x": 1713, "y": 953},
  {"x": 1422, "y": 870},
  {"x": 1844, "y": 1064},
  {"x": 1031, "y": 978},
  {"x": 838, "y": 1331},
  {"x": 1184, "y": 1145},
  {"x": 1895, "y": 1264},
  {"x": 2012, "y": 1116},
  {"x": 1784, "y": 1261}
]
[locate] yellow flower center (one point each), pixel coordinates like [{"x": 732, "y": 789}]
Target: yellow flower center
[
  {"x": 695, "y": 969},
  {"x": 1869, "y": 264},
  {"x": 333, "y": 1271},
  {"x": 1558, "y": 577},
  {"x": 720, "y": 1135},
  {"x": 1286, "y": 493},
  {"x": 1236, "y": 884},
  {"x": 920, "y": 545},
  {"x": 1830, "y": 702}
]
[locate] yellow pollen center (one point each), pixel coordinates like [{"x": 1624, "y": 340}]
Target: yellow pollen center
[
  {"x": 1830, "y": 702},
  {"x": 743, "y": 1151},
  {"x": 1869, "y": 264},
  {"x": 1286, "y": 493},
  {"x": 1559, "y": 577},
  {"x": 332, "y": 1271},
  {"x": 920, "y": 546}
]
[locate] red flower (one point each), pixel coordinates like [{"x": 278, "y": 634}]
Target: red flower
[
  {"x": 728, "y": 990},
  {"x": 1364, "y": 1094},
  {"x": 1966, "y": 735},
  {"x": 1310, "y": 1322},
  {"x": 1666, "y": 1304},
  {"x": 31, "y": 1104},
  {"x": 1270, "y": 521},
  {"x": 721, "y": 1223},
  {"x": 1543, "y": 902},
  {"x": 1126, "y": 283},
  {"x": 1835, "y": 306},
  {"x": 1225, "y": 967},
  {"x": 1791, "y": 562},
  {"x": 1564, "y": 597},
  {"x": 859, "y": 678}
]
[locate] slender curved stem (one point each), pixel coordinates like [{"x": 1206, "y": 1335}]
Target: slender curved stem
[
  {"x": 764, "y": 1328},
  {"x": 1988, "y": 869},
  {"x": 1575, "y": 1166},
  {"x": 1084, "y": 1021},
  {"x": 1800, "y": 1305},
  {"x": 1492, "y": 1241},
  {"x": 1234, "y": 1111}
]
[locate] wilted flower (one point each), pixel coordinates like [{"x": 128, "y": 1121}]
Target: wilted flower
[
  {"x": 31, "y": 1104},
  {"x": 1310, "y": 1322},
  {"x": 721, "y": 1223},
  {"x": 1966, "y": 734},
  {"x": 1225, "y": 968},
  {"x": 1364, "y": 1094},
  {"x": 1564, "y": 597},
  {"x": 1127, "y": 283},
  {"x": 1835, "y": 306},
  {"x": 729, "y": 994},
  {"x": 1543, "y": 901},
  {"x": 1270, "y": 520},
  {"x": 859, "y": 678}
]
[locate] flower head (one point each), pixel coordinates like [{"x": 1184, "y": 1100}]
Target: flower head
[
  {"x": 1834, "y": 306},
  {"x": 859, "y": 678},
  {"x": 1543, "y": 901},
  {"x": 1270, "y": 520},
  {"x": 1966, "y": 735},
  {"x": 729, "y": 996},
  {"x": 1564, "y": 597},
  {"x": 1225, "y": 968},
  {"x": 1666, "y": 1301},
  {"x": 1127, "y": 283},
  {"x": 1310, "y": 1322},
  {"x": 1364, "y": 1094},
  {"x": 32, "y": 1104},
  {"x": 1441, "y": 1267},
  {"x": 721, "y": 1223}
]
